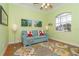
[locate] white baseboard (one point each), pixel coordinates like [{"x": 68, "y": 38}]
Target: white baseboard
[
  {"x": 70, "y": 43},
  {"x": 13, "y": 42},
  {"x": 4, "y": 50}
]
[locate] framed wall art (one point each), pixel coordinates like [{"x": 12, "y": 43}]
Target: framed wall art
[
  {"x": 3, "y": 16},
  {"x": 38, "y": 23},
  {"x": 26, "y": 22}
]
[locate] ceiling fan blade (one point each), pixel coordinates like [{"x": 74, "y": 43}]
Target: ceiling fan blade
[
  {"x": 50, "y": 6},
  {"x": 35, "y": 3},
  {"x": 41, "y": 8}
]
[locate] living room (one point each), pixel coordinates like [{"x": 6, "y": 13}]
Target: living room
[{"x": 24, "y": 17}]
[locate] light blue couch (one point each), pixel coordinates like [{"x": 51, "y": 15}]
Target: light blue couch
[{"x": 34, "y": 39}]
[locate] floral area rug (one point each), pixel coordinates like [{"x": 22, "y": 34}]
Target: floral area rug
[{"x": 47, "y": 49}]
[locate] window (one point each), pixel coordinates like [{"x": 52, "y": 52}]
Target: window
[{"x": 63, "y": 22}]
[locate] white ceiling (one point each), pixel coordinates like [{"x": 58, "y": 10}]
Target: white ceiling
[{"x": 36, "y": 7}]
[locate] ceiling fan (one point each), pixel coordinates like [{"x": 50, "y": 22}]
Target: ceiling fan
[{"x": 45, "y": 6}]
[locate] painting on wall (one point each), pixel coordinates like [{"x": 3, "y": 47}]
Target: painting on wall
[
  {"x": 37, "y": 23},
  {"x": 3, "y": 16},
  {"x": 25, "y": 22}
]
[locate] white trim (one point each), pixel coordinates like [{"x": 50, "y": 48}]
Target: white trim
[
  {"x": 70, "y": 43},
  {"x": 5, "y": 47},
  {"x": 10, "y": 42},
  {"x": 14, "y": 42}
]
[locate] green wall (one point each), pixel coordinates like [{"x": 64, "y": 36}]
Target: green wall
[
  {"x": 18, "y": 12},
  {"x": 67, "y": 37},
  {"x": 3, "y": 33}
]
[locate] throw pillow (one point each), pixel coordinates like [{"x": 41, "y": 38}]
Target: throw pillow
[
  {"x": 41, "y": 33},
  {"x": 30, "y": 34}
]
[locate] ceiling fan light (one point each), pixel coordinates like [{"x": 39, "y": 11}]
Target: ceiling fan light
[
  {"x": 42, "y": 5},
  {"x": 46, "y": 7},
  {"x": 48, "y": 4}
]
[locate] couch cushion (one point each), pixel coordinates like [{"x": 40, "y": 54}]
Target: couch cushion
[
  {"x": 24, "y": 33},
  {"x": 36, "y": 37},
  {"x": 39, "y": 37},
  {"x": 42, "y": 36},
  {"x": 35, "y": 32}
]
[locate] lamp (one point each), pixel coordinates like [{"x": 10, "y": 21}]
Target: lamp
[
  {"x": 14, "y": 29},
  {"x": 46, "y": 27}
]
